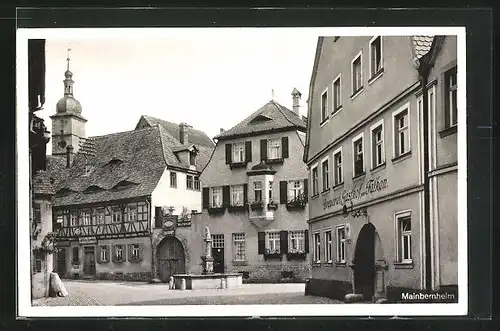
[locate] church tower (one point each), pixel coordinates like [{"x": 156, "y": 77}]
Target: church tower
[{"x": 68, "y": 124}]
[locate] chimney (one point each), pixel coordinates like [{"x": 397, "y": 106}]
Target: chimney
[
  {"x": 184, "y": 133},
  {"x": 296, "y": 100},
  {"x": 69, "y": 156}
]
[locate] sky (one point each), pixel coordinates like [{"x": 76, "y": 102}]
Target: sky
[{"x": 209, "y": 82}]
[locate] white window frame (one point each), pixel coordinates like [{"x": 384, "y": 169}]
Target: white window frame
[
  {"x": 372, "y": 73},
  {"x": 399, "y": 236},
  {"x": 270, "y": 190},
  {"x": 323, "y": 187},
  {"x": 216, "y": 192},
  {"x": 238, "y": 151},
  {"x": 293, "y": 190},
  {"x": 257, "y": 188},
  {"x": 314, "y": 192},
  {"x": 73, "y": 219},
  {"x": 328, "y": 245},
  {"x": 239, "y": 238},
  {"x": 373, "y": 149},
  {"x": 173, "y": 175},
  {"x": 354, "y": 92},
  {"x": 86, "y": 218},
  {"x": 132, "y": 213},
  {"x": 189, "y": 179},
  {"x": 335, "y": 171},
  {"x": 340, "y": 242},
  {"x": 277, "y": 146},
  {"x": 273, "y": 242},
  {"x": 135, "y": 251},
  {"x": 237, "y": 190},
  {"x": 119, "y": 251},
  {"x": 354, "y": 153},
  {"x": 197, "y": 183},
  {"x": 396, "y": 114},
  {"x": 316, "y": 247},
  {"x": 115, "y": 211},
  {"x": 334, "y": 109},
  {"x": 326, "y": 114},
  {"x": 449, "y": 92},
  {"x": 297, "y": 236},
  {"x": 104, "y": 253}
]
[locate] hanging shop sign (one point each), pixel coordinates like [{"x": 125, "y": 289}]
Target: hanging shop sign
[
  {"x": 169, "y": 223},
  {"x": 356, "y": 192}
]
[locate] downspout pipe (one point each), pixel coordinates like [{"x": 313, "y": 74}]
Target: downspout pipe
[{"x": 424, "y": 77}]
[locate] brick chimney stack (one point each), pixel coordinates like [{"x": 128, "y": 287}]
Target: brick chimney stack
[
  {"x": 296, "y": 101},
  {"x": 184, "y": 133},
  {"x": 69, "y": 156}
]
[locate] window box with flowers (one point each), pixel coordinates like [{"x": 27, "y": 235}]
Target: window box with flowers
[
  {"x": 272, "y": 205},
  {"x": 216, "y": 210},
  {"x": 272, "y": 255},
  {"x": 257, "y": 205},
  {"x": 298, "y": 202},
  {"x": 275, "y": 161},
  {"x": 238, "y": 208},
  {"x": 296, "y": 255}
]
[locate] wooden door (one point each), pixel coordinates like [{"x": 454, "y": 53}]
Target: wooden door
[
  {"x": 364, "y": 262},
  {"x": 218, "y": 252},
  {"x": 171, "y": 258},
  {"x": 61, "y": 262},
  {"x": 89, "y": 261}
]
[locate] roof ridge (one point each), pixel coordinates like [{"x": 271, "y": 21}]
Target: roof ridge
[
  {"x": 283, "y": 112},
  {"x": 119, "y": 133}
]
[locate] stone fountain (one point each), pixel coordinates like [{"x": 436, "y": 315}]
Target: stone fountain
[{"x": 208, "y": 279}]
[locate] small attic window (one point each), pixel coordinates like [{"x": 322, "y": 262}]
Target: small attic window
[
  {"x": 115, "y": 160},
  {"x": 93, "y": 188},
  {"x": 64, "y": 191},
  {"x": 260, "y": 119},
  {"x": 123, "y": 184},
  {"x": 192, "y": 158}
]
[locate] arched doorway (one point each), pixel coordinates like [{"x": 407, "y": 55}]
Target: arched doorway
[
  {"x": 364, "y": 262},
  {"x": 171, "y": 258}
]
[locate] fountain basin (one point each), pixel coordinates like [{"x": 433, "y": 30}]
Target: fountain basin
[{"x": 208, "y": 281}]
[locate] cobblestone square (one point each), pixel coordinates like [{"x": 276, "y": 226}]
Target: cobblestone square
[{"x": 107, "y": 293}]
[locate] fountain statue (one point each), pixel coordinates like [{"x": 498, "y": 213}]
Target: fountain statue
[{"x": 208, "y": 260}]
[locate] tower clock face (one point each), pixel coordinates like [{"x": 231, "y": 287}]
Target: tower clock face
[{"x": 62, "y": 144}]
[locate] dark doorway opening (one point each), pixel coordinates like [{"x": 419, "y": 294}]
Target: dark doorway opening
[
  {"x": 61, "y": 262},
  {"x": 89, "y": 261},
  {"x": 364, "y": 262}
]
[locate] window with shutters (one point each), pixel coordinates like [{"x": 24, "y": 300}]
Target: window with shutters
[
  {"x": 216, "y": 197},
  {"x": 337, "y": 163},
  {"x": 341, "y": 243},
  {"x": 359, "y": 165},
  {"x": 296, "y": 241},
  {"x": 296, "y": 189},
  {"x": 237, "y": 195},
  {"x": 401, "y": 132},
  {"x": 274, "y": 149},
  {"x": 239, "y": 246},
  {"x": 273, "y": 243},
  {"x": 238, "y": 152}
]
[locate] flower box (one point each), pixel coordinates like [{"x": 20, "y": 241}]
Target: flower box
[
  {"x": 238, "y": 165},
  {"x": 258, "y": 205},
  {"x": 296, "y": 255},
  {"x": 299, "y": 202},
  {"x": 216, "y": 210},
  {"x": 272, "y": 205},
  {"x": 272, "y": 256},
  {"x": 238, "y": 208},
  {"x": 274, "y": 161}
]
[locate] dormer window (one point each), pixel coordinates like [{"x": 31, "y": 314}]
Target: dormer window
[{"x": 192, "y": 158}]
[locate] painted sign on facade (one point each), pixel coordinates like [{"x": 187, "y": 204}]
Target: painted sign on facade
[
  {"x": 357, "y": 192},
  {"x": 87, "y": 240}
]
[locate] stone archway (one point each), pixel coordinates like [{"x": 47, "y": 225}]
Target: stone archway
[
  {"x": 170, "y": 258},
  {"x": 364, "y": 262}
]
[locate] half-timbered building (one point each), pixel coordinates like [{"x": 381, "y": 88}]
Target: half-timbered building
[{"x": 112, "y": 198}]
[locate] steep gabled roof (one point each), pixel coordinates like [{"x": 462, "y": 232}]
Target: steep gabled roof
[
  {"x": 196, "y": 137},
  {"x": 143, "y": 156},
  {"x": 271, "y": 116},
  {"x": 42, "y": 184}
]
